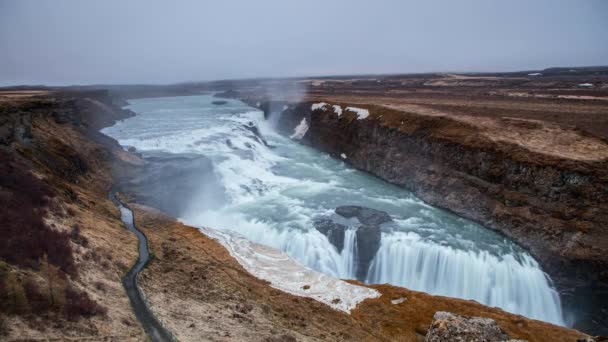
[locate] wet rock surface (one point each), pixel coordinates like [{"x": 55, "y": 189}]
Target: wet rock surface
[
  {"x": 333, "y": 231},
  {"x": 368, "y": 242},
  {"x": 366, "y": 216},
  {"x": 368, "y": 233},
  {"x": 447, "y": 326}
]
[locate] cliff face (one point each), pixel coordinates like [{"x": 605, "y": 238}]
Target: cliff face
[{"x": 553, "y": 206}]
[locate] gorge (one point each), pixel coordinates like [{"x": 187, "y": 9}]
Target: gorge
[{"x": 226, "y": 168}]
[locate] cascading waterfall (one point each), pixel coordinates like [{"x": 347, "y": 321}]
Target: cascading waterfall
[
  {"x": 514, "y": 285},
  {"x": 273, "y": 191}
]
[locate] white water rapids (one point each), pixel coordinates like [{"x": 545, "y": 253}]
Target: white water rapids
[{"x": 272, "y": 193}]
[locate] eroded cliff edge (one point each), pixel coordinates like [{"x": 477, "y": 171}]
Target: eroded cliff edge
[{"x": 541, "y": 185}]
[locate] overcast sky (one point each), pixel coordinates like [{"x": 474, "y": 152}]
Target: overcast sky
[{"x": 84, "y": 42}]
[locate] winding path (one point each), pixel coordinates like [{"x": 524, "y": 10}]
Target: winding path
[{"x": 151, "y": 325}]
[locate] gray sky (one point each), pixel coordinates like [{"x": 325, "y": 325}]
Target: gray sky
[{"x": 83, "y": 42}]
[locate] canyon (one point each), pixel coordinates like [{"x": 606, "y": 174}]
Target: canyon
[
  {"x": 541, "y": 183},
  {"x": 512, "y": 165}
]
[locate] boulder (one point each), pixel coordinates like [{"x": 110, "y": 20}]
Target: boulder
[
  {"x": 366, "y": 216},
  {"x": 368, "y": 242},
  {"x": 368, "y": 234},
  {"x": 447, "y": 326},
  {"x": 333, "y": 231}
]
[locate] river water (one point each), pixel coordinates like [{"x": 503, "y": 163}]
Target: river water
[{"x": 271, "y": 190}]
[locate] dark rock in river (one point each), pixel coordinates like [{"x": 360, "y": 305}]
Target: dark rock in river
[
  {"x": 367, "y": 216},
  {"x": 333, "y": 231},
  {"x": 447, "y": 326},
  {"x": 368, "y": 235},
  {"x": 256, "y": 133},
  {"x": 368, "y": 242},
  {"x": 219, "y": 102}
]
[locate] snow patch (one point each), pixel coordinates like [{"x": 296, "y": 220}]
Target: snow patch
[
  {"x": 286, "y": 274},
  {"x": 337, "y": 110},
  {"x": 585, "y": 85},
  {"x": 343, "y": 155},
  {"x": 535, "y": 74},
  {"x": 361, "y": 113},
  {"x": 300, "y": 131},
  {"x": 285, "y": 107},
  {"x": 398, "y": 300},
  {"x": 319, "y": 105},
  {"x": 257, "y": 104}
]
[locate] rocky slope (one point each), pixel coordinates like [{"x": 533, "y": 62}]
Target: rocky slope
[
  {"x": 51, "y": 140},
  {"x": 541, "y": 185}
]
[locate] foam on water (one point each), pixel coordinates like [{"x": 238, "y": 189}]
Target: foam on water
[{"x": 275, "y": 190}]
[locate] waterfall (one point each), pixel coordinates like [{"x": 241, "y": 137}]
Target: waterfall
[
  {"x": 274, "y": 191},
  {"x": 517, "y": 286}
]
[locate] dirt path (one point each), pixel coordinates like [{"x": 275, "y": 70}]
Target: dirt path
[{"x": 151, "y": 325}]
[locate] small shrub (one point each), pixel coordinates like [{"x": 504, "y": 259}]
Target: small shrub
[
  {"x": 12, "y": 295},
  {"x": 100, "y": 286},
  {"x": 3, "y": 326},
  {"x": 39, "y": 302},
  {"x": 78, "y": 304},
  {"x": 24, "y": 236},
  {"x": 77, "y": 237}
]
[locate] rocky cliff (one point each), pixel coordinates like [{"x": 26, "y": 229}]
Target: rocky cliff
[{"x": 551, "y": 200}]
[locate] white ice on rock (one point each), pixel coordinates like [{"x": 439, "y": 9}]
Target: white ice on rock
[
  {"x": 319, "y": 105},
  {"x": 288, "y": 275},
  {"x": 300, "y": 131},
  {"x": 361, "y": 113},
  {"x": 337, "y": 110},
  {"x": 343, "y": 155}
]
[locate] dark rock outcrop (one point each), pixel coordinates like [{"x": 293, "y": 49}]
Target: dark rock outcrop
[
  {"x": 447, "y": 326},
  {"x": 333, "y": 231},
  {"x": 366, "y": 216},
  {"x": 368, "y": 234},
  {"x": 368, "y": 243}
]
